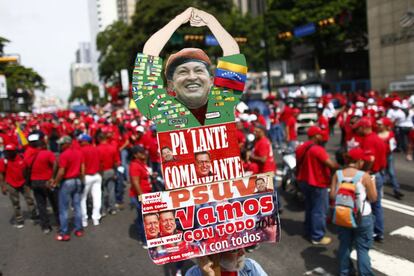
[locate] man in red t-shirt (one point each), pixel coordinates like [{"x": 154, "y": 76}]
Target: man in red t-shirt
[
  {"x": 110, "y": 160},
  {"x": 375, "y": 148},
  {"x": 93, "y": 180},
  {"x": 13, "y": 182},
  {"x": 314, "y": 175},
  {"x": 70, "y": 175},
  {"x": 291, "y": 131},
  {"x": 41, "y": 166},
  {"x": 140, "y": 183},
  {"x": 262, "y": 152}
]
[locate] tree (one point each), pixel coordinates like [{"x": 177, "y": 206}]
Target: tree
[{"x": 81, "y": 93}]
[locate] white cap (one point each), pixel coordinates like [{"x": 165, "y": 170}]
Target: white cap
[
  {"x": 33, "y": 137},
  {"x": 140, "y": 129},
  {"x": 244, "y": 117},
  {"x": 359, "y": 104},
  {"x": 396, "y": 103},
  {"x": 371, "y": 101},
  {"x": 252, "y": 117}
]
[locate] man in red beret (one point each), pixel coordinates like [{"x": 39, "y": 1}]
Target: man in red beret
[
  {"x": 314, "y": 175},
  {"x": 193, "y": 96}
]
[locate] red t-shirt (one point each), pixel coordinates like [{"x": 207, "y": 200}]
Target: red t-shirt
[
  {"x": 42, "y": 168},
  {"x": 92, "y": 159},
  {"x": 264, "y": 148},
  {"x": 312, "y": 168},
  {"x": 71, "y": 160},
  {"x": 154, "y": 154},
  {"x": 109, "y": 156},
  {"x": 14, "y": 171},
  {"x": 323, "y": 123},
  {"x": 373, "y": 145},
  {"x": 291, "y": 124},
  {"x": 140, "y": 169}
]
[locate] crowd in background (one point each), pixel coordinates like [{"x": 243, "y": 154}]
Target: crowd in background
[{"x": 89, "y": 158}]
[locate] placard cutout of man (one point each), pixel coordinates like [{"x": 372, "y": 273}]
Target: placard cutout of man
[
  {"x": 167, "y": 155},
  {"x": 151, "y": 225},
  {"x": 167, "y": 223},
  {"x": 203, "y": 164}
]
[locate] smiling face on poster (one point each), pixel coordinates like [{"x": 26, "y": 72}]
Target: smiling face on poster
[{"x": 208, "y": 205}]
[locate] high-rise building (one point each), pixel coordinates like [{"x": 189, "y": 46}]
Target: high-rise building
[
  {"x": 391, "y": 44},
  {"x": 81, "y": 74},
  {"x": 83, "y": 54},
  {"x": 126, "y": 9},
  {"x": 254, "y": 7}
]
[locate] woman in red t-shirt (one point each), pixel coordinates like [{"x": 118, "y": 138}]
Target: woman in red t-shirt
[
  {"x": 139, "y": 175},
  {"x": 384, "y": 126}
]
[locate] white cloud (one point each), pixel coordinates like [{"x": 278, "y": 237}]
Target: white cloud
[{"x": 46, "y": 34}]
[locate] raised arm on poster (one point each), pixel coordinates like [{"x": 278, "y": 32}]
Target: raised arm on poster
[{"x": 193, "y": 97}]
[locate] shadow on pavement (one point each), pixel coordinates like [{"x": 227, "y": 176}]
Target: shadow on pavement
[{"x": 315, "y": 255}]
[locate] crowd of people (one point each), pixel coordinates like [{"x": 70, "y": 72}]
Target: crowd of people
[{"x": 67, "y": 158}]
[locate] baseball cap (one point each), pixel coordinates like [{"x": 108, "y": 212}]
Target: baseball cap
[
  {"x": 183, "y": 56},
  {"x": 140, "y": 129},
  {"x": 357, "y": 154},
  {"x": 10, "y": 147},
  {"x": 314, "y": 130},
  {"x": 363, "y": 122},
  {"x": 33, "y": 137},
  {"x": 64, "y": 140},
  {"x": 396, "y": 103},
  {"x": 85, "y": 137}
]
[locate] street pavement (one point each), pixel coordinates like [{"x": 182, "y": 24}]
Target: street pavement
[{"x": 112, "y": 247}]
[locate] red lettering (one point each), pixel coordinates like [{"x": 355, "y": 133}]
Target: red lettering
[
  {"x": 186, "y": 217},
  {"x": 226, "y": 191},
  {"x": 179, "y": 196},
  {"x": 243, "y": 190},
  {"x": 228, "y": 211},
  {"x": 206, "y": 216},
  {"x": 266, "y": 202},
  {"x": 251, "y": 207},
  {"x": 200, "y": 194}
]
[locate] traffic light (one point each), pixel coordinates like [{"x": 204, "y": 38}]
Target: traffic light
[
  {"x": 326, "y": 22},
  {"x": 197, "y": 38},
  {"x": 9, "y": 59},
  {"x": 285, "y": 35},
  {"x": 241, "y": 39}
]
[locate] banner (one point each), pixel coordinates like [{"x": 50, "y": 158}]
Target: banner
[
  {"x": 210, "y": 218},
  {"x": 200, "y": 155}
]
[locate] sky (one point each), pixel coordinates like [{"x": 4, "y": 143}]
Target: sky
[{"x": 46, "y": 35}]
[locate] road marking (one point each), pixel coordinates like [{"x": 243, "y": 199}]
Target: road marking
[
  {"x": 387, "y": 264},
  {"x": 402, "y": 208},
  {"x": 406, "y": 232}
]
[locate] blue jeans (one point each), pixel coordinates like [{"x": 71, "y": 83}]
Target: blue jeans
[
  {"x": 119, "y": 187},
  {"x": 377, "y": 210},
  {"x": 391, "y": 173},
  {"x": 276, "y": 134},
  {"x": 125, "y": 163},
  {"x": 70, "y": 190},
  {"x": 315, "y": 211},
  {"x": 361, "y": 237},
  {"x": 139, "y": 224}
]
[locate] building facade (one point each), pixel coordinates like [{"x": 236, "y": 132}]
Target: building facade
[{"x": 391, "y": 44}]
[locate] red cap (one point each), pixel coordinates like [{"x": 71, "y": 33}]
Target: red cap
[
  {"x": 386, "y": 121},
  {"x": 363, "y": 122},
  {"x": 357, "y": 154},
  {"x": 314, "y": 130},
  {"x": 10, "y": 147}
]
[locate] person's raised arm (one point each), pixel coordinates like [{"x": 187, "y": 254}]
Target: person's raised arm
[
  {"x": 227, "y": 43},
  {"x": 157, "y": 41}
]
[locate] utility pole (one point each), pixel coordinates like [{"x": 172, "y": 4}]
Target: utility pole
[{"x": 264, "y": 44}]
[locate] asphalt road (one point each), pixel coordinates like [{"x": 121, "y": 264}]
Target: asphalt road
[{"x": 112, "y": 248}]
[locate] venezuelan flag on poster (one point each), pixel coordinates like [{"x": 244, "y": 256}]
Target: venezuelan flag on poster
[
  {"x": 20, "y": 136},
  {"x": 132, "y": 104}
]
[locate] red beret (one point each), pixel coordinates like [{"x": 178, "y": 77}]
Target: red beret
[
  {"x": 358, "y": 154},
  {"x": 183, "y": 56},
  {"x": 363, "y": 122},
  {"x": 314, "y": 130}
]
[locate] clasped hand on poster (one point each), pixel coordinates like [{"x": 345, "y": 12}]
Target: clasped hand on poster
[{"x": 210, "y": 206}]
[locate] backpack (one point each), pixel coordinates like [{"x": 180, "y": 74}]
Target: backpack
[{"x": 346, "y": 212}]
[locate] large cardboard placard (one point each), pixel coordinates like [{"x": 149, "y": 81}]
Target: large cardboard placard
[
  {"x": 210, "y": 218},
  {"x": 200, "y": 155}
]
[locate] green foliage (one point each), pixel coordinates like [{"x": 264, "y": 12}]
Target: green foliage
[
  {"x": 18, "y": 76},
  {"x": 3, "y": 42},
  {"x": 81, "y": 93},
  {"x": 120, "y": 43}
]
